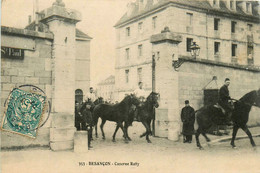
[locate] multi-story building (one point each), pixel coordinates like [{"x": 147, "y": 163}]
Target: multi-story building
[
  {"x": 227, "y": 32},
  {"x": 106, "y": 88}
]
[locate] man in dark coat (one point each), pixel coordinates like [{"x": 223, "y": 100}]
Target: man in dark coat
[
  {"x": 188, "y": 119},
  {"x": 87, "y": 121},
  {"x": 77, "y": 116},
  {"x": 224, "y": 99}
]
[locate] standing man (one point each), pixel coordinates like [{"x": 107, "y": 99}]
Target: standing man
[
  {"x": 188, "y": 119},
  {"x": 78, "y": 119},
  {"x": 224, "y": 99}
]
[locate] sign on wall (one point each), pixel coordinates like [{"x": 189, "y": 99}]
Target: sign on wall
[{"x": 7, "y": 52}]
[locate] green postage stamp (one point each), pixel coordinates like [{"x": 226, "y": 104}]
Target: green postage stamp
[{"x": 23, "y": 112}]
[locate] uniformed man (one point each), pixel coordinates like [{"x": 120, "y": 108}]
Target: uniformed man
[
  {"x": 224, "y": 99},
  {"x": 188, "y": 119},
  {"x": 140, "y": 93}
]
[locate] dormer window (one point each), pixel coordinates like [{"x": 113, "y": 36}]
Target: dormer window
[
  {"x": 248, "y": 7},
  {"x": 232, "y": 5}
]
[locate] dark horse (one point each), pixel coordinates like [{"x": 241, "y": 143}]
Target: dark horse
[
  {"x": 145, "y": 114},
  {"x": 208, "y": 116},
  {"x": 118, "y": 113}
]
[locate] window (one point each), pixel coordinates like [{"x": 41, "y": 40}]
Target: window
[
  {"x": 128, "y": 31},
  {"x": 140, "y": 27},
  {"x": 139, "y": 74},
  {"x": 214, "y": 2},
  {"x": 250, "y": 57},
  {"x": 232, "y": 4},
  {"x": 154, "y": 22},
  {"x": 140, "y": 50},
  {"x": 127, "y": 53},
  {"x": 188, "y": 44},
  {"x": 216, "y": 49},
  {"x": 216, "y": 24},
  {"x": 234, "y": 49},
  {"x": 249, "y": 27},
  {"x": 189, "y": 16},
  {"x": 248, "y": 7},
  {"x": 233, "y": 26},
  {"x": 126, "y": 76}
]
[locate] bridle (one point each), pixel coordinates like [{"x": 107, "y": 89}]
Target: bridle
[{"x": 249, "y": 104}]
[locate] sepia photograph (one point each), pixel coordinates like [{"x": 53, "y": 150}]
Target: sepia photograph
[{"x": 130, "y": 86}]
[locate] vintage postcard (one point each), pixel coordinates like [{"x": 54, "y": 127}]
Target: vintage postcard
[{"x": 130, "y": 86}]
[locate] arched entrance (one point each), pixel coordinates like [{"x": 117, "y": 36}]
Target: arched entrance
[{"x": 79, "y": 96}]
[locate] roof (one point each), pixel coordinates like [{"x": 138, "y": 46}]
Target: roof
[
  {"x": 204, "y": 5},
  {"x": 44, "y": 28},
  {"x": 110, "y": 80}
]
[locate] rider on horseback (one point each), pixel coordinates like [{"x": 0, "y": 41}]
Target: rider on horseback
[
  {"x": 224, "y": 100},
  {"x": 141, "y": 94}
]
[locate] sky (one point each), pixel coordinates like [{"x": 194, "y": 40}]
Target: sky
[{"x": 98, "y": 19}]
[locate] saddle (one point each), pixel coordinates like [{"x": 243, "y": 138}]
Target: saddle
[{"x": 217, "y": 105}]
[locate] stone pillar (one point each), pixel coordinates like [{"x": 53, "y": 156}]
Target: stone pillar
[
  {"x": 62, "y": 23},
  {"x": 165, "y": 48}
]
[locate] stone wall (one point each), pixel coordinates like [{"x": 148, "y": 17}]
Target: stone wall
[
  {"x": 193, "y": 77},
  {"x": 35, "y": 69}
]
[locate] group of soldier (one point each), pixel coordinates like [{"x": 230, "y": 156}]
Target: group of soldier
[{"x": 84, "y": 122}]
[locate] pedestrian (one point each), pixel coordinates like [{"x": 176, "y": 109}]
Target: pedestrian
[
  {"x": 188, "y": 119},
  {"x": 77, "y": 116},
  {"x": 224, "y": 100},
  {"x": 87, "y": 122}
]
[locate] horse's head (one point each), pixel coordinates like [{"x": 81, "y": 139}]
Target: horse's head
[{"x": 153, "y": 99}]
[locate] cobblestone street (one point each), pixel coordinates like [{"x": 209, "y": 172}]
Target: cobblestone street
[{"x": 161, "y": 155}]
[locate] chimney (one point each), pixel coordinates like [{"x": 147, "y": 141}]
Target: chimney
[{"x": 29, "y": 19}]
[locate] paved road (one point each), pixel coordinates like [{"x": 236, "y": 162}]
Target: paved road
[{"x": 160, "y": 156}]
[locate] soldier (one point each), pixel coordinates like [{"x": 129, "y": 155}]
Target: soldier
[
  {"x": 188, "y": 119},
  {"x": 87, "y": 121},
  {"x": 224, "y": 99},
  {"x": 141, "y": 94}
]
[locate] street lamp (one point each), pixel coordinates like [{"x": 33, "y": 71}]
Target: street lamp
[{"x": 195, "y": 50}]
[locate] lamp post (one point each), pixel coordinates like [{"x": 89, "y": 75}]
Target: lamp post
[{"x": 195, "y": 50}]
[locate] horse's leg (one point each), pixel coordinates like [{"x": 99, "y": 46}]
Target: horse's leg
[
  {"x": 197, "y": 138},
  {"x": 147, "y": 131},
  {"x": 126, "y": 130},
  {"x": 235, "y": 129},
  {"x": 114, "y": 135},
  {"x": 101, "y": 127},
  {"x": 96, "y": 131},
  {"x": 123, "y": 129},
  {"x": 149, "y": 126},
  {"x": 206, "y": 137},
  {"x": 249, "y": 135}
]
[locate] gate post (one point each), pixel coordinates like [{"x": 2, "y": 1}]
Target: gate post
[
  {"x": 165, "y": 47},
  {"x": 62, "y": 23}
]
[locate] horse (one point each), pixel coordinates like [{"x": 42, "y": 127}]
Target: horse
[
  {"x": 118, "y": 113},
  {"x": 145, "y": 114},
  {"x": 208, "y": 116}
]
